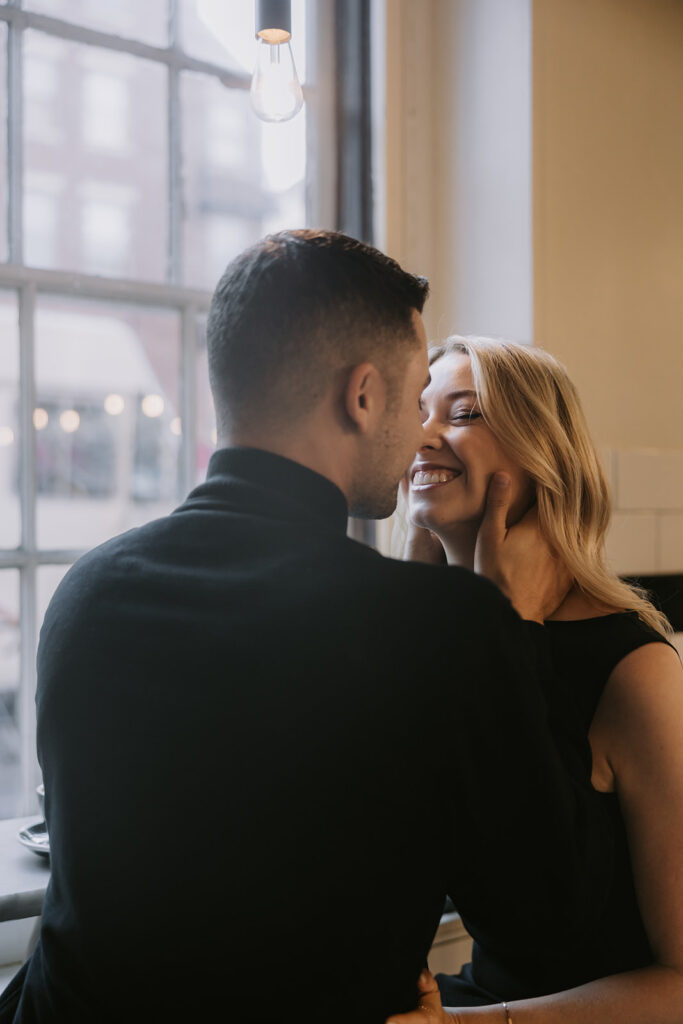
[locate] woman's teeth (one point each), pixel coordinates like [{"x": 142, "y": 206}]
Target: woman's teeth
[{"x": 441, "y": 476}]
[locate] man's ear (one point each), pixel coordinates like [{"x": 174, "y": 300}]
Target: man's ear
[{"x": 364, "y": 396}]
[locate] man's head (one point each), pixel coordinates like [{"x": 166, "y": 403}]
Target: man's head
[{"x": 291, "y": 319}]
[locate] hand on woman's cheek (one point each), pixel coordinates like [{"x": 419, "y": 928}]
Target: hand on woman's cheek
[{"x": 524, "y": 497}]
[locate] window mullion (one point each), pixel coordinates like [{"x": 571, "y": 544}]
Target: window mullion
[
  {"x": 175, "y": 197},
  {"x": 15, "y": 145},
  {"x": 27, "y": 688},
  {"x": 320, "y": 129},
  {"x": 188, "y": 399},
  {"x": 27, "y": 402},
  {"x": 174, "y": 178},
  {"x": 108, "y": 289},
  {"x": 28, "y": 610}
]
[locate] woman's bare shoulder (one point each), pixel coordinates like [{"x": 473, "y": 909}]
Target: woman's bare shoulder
[
  {"x": 639, "y": 714},
  {"x": 643, "y": 695}
]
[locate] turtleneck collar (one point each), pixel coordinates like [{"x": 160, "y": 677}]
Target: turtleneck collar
[{"x": 277, "y": 484}]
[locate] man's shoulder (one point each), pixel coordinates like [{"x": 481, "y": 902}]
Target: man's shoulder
[
  {"x": 115, "y": 557},
  {"x": 438, "y": 577},
  {"x": 427, "y": 584}
]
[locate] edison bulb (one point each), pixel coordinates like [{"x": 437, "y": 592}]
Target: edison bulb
[{"x": 276, "y": 93}]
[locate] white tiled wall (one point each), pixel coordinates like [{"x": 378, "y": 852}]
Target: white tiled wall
[{"x": 646, "y": 535}]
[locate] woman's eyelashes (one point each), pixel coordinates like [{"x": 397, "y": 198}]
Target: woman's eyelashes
[
  {"x": 465, "y": 415},
  {"x": 458, "y": 415},
  {"x": 461, "y": 416}
]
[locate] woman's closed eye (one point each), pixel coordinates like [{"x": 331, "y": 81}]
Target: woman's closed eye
[{"x": 465, "y": 415}]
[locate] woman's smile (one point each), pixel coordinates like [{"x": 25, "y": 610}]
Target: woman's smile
[{"x": 427, "y": 475}]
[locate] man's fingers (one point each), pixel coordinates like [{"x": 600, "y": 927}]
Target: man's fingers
[
  {"x": 430, "y": 1010},
  {"x": 530, "y": 518},
  {"x": 426, "y": 984},
  {"x": 498, "y": 495},
  {"x": 497, "y": 505}
]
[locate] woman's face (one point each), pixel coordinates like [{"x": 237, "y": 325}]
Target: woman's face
[{"x": 450, "y": 474}]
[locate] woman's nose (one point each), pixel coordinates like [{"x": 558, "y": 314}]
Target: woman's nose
[{"x": 431, "y": 434}]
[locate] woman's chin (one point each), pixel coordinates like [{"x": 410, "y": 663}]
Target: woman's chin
[{"x": 419, "y": 519}]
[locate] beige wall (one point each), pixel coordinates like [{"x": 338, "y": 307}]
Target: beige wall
[
  {"x": 456, "y": 167},
  {"x": 608, "y": 209},
  {"x": 412, "y": 158}
]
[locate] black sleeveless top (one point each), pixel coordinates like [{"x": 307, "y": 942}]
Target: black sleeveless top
[{"x": 584, "y": 652}]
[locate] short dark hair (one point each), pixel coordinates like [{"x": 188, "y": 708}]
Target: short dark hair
[{"x": 295, "y": 308}]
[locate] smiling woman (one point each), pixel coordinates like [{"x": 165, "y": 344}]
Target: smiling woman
[
  {"x": 460, "y": 453},
  {"x": 495, "y": 405},
  {"x": 616, "y": 701}
]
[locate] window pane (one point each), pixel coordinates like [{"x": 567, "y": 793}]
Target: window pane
[
  {"x": 3, "y": 142},
  {"x": 146, "y": 20},
  {"x": 10, "y": 511},
  {"x": 95, "y": 157},
  {"x": 10, "y": 659},
  {"x": 108, "y": 419},
  {"x": 243, "y": 177},
  {"x": 206, "y": 416},
  {"x": 222, "y": 31}
]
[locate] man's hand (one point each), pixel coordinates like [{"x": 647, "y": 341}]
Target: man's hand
[
  {"x": 519, "y": 560},
  {"x": 429, "y": 1009}
]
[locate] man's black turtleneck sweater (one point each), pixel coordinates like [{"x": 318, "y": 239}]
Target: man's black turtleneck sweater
[{"x": 269, "y": 753}]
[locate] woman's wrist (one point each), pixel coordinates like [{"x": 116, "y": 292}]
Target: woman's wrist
[{"x": 496, "y": 1013}]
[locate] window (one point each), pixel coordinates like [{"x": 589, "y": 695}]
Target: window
[
  {"x": 107, "y": 244},
  {"x": 106, "y": 112},
  {"x": 135, "y": 170}
]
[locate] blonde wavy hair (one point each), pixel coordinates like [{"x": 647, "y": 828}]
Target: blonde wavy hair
[{"x": 528, "y": 401}]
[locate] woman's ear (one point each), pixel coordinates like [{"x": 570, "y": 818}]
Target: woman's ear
[{"x": 364, "y": 397}]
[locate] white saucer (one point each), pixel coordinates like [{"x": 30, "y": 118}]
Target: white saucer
[{"x": 35, "y": 837}]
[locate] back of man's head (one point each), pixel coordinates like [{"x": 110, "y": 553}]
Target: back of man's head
[{"x": 292, "y": 311}]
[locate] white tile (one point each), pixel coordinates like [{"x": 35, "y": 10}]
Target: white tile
[
  {"x": 649, "y": 478},
  {"x": 632, "y": 543},
  {"x": 670, "y": 546}
]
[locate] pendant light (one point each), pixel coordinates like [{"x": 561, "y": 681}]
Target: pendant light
[{"x": 275, "y": 88}]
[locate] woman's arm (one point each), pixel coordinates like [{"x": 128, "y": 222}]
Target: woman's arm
[{"x": 639, "y": 729}]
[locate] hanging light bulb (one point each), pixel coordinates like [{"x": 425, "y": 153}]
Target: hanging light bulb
[{"x": 275, "y": 88}]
